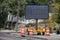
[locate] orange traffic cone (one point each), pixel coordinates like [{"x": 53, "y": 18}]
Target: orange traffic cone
[
  {"x": 22, "y": 31},
  {"x": 31, "y": 32},
  {"x": 47, "y": 31}
]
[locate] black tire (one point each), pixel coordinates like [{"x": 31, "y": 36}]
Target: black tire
[
  {"x": 43, "y": 33},
  {"x": 57, "y": 32},
  {"x": 38, "y": 33}
]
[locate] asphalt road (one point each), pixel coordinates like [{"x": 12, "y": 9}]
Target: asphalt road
[
  {"x": 9, "y": 36},
  {"x": 6, "y": 35},
  {"x": 51, "y": 37}
]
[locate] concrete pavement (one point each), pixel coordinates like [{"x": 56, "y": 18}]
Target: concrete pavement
[{"x": 7, "y": 31}]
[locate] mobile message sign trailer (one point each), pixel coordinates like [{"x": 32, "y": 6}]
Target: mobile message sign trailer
[{"x": 36, "y": 12}]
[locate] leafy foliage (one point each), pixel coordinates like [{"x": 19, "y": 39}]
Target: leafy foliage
[
  {"x": 12, "y": 7},
  {"x": 30, "y": 24},
  {"x": 58, "y": 16}
]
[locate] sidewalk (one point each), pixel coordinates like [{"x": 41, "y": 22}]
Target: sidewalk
[{"x": 7, "y": 31}]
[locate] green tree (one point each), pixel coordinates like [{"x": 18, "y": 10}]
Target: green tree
[
  {"x": 3, "y": 13},
  {"x": 38, "y": 2},
  {"x": 58, "y": 18},
  {"x": 12, "y": 7},
  {"x": 58, "y": 1}
]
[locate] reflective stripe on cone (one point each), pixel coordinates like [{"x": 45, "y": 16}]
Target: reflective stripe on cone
[
  {"x": 47, "y": 32},
  {"x": 22, "y": 31},
  {"x": 30, "y": 32}
]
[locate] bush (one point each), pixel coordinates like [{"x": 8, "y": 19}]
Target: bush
[{"x": 30, "y": 24}]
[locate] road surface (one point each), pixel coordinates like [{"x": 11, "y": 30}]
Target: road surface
[
  {"x": 12, "y": 36},
  {"x": 9, "y": 36}
]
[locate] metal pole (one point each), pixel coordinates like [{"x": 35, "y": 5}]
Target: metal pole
[
  {"x": 36, "y": 24},
  {"x": 18, "y": 12},
  {"x": 18, "y": 8}
]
